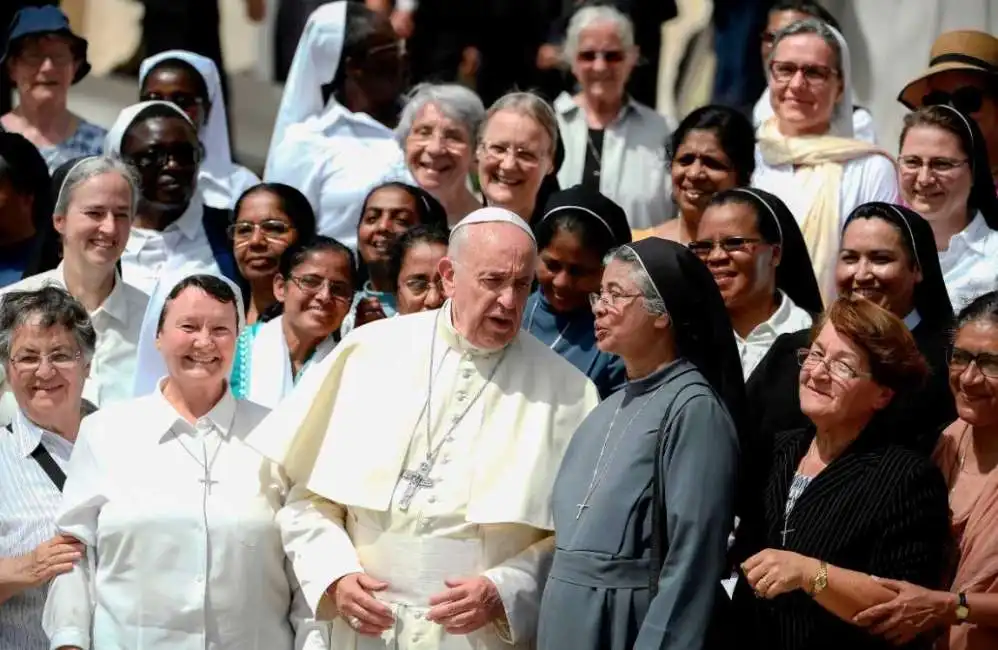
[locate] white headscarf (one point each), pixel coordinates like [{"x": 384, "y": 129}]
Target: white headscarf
[
  {"x": 221, "y": 180},
  {"x": 150, "y": 366},
  {"x": 127, "y": 116},
  {"x": 316, "y": 61},
  {"x": 842, "y": 118}
]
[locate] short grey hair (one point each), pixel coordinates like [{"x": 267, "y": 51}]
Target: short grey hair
[
  {"x": 586, "y": 17},
  {"x": 93, "y": 167},
  {"x": 531, "y": 105},
  {"x": 811, "y": 26},
  {"x": 455, "y": 101},
  {"x": 50, "y": 306},
  {"x": 654, "y": 303}
]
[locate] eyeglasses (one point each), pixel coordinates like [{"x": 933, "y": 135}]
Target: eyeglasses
[
  {"x": 31, "y": 362},
  {"x": 272, "y": 229},
  {"x": 960, "y": 360},
  {"x": 815, "y": 75},
  {"x": 936, "y": 165},
  {"x": 608, "y": 56},
  {"x": 449, "y": 137},
  {"x": 185, "y": 155},
  {"x": 36, "y": 59},
  {"x": 966, "y": 99},
  {"x": 419, "y": 286},
  {"x": 312, "y": 284},
  {"x": 704, "y": 247},
  {"x": 183, "y": 101},
  {"x": 837, "y": 368},
  {"x": 611, "y": 299},
  {"x": 498, "y": 151}
]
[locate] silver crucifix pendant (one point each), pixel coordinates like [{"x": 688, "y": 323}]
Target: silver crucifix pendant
[{"x": 418, "y": 479}]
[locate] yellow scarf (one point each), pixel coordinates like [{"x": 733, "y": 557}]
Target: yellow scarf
[{"x": 817, "y": 161}]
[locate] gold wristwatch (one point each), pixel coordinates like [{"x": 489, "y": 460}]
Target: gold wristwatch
[
  {"x": 820, "y": 580},
  {"x": 963, "y": 609}
]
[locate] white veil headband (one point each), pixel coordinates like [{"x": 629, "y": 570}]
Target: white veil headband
[
  {"x": 842, "y": 120},
  {"x": 127, "y": 116},
  {"x": 315, "y": 64},
  {"x": 215, "y": 135},
  {"x": 150, "y": 366}
]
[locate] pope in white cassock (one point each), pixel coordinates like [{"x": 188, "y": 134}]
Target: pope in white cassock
[{"x": 423, "y": 452}]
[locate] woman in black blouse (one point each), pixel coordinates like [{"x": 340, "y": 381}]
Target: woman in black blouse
[
  {"x": 888, "y": 255},
  {"x": 840, "y": 502}
]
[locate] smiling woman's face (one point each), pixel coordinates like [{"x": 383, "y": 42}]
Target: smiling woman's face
[
  {"x": 874, "y": 263},
  {"x": 166, "y": 152}
]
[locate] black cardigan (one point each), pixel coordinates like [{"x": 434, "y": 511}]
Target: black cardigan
[
  {"x": 914, "y": 421},
  {"x": 879, "y": 509}
]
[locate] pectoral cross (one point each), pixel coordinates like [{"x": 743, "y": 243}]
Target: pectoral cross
[
  {"x": 786, "y": 531},
  {"x": 581, "y": 507},
  {"x": 206, "y": 481},
  {"x": 418, "y": 479}
]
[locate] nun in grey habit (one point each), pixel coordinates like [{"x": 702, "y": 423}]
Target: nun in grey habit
[{"x": 643, "y": 502}]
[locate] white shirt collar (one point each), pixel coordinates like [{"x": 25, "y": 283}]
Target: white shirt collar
[
  {"x": 188, "y": 225},
  {"x": 28, "y": 434},
  {"x": 116, "y": 303},
  {"x": 974, "y": 236},
  {"x": 912, "y": 320},
  {"x": 336, "y": 112},
  {"x": 565, "y": 105},
  {"x": 775, "y": 324},
  {"x": 167, "y": 419}
]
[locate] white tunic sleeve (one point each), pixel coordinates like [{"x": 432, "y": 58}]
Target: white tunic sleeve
[
  {"x": 866, "y": 179},
  {"x": 520, "y": 581},
  {"x": 69, "y": 609},
  {"x": 315, "y": 540}
]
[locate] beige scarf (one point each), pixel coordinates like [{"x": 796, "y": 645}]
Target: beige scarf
[{"x": 818, "y": 161}]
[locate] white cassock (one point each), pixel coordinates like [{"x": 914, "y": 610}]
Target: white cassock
[
  {"x": 176, "y": 560},
  {"x": 348, "y": 432}
]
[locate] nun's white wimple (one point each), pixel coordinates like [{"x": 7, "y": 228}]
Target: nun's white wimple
[{"x": 587, "y": 211}]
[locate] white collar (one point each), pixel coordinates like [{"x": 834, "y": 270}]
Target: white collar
[
  {"x": 336, "y": 113},
  {"x": 565, "y": 105},
  {"x": 115, "y": 305},
  {"x": 189, "y": 224},
  {"x": 28, "y": 434},
  {"x": 165, "y": 419},
  {"x": 974, "y": 236},
  {"x": 778, "y": 319},
  {"x": 912, "y": 320}
]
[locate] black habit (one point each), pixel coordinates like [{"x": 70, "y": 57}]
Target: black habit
[{"x": 878, "y": 509}]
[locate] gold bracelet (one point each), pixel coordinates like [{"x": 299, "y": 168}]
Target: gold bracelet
[{"x": 820, "y": 580}]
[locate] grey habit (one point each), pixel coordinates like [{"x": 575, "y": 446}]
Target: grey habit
[{"x": 597, "y": 596}]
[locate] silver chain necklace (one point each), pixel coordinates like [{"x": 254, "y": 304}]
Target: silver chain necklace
[
  {"x": 597, "y": 474},
  {"x": 205, "y": 463},
  {"x": 421, "y": 477},
  {"x": 530, "y": 325},
  {"x": 596, "y": 154}
]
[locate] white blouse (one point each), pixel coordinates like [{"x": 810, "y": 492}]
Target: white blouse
[
  {"x": 179, "y": 557},
  {"x": 149, "y": 254},
  {"x": 634, "y": 170},
  {"x": 334, "y": 160},
  {"x": 787, "y": 318},
  {"x": 970, "y": 263},
  {"x": 117, "y": 323}
]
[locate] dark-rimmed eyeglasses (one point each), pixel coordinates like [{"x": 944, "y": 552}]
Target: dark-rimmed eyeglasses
[
  {"x": 31, "y": 362},
  {"x": 966, "y": 99},
  {"x": 987, "y": 363},
  {"x": 608, "y": 56},
  {"x": 815, "y": 75},
  {"x": 704, "y": 247},
  {"x": 184, "y": 155}
]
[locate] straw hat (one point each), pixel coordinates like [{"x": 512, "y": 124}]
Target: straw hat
[{"x": 968, "y": 50}]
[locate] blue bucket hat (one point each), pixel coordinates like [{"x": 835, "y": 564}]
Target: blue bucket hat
[{"x": 37, "y": 21}]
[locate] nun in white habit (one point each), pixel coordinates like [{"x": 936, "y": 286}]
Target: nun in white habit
[
  {"x": 220, "y": 179},
  {"x": 328, "y": 141},
  {"x": 177, "y": 514},
  {"x": 173, "y": 228},
  {"x": 807, "y": 152}
]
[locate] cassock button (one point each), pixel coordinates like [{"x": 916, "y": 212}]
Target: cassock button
[
  {"x": 431, "y": 499},
  {"x": 467, "y": 374},
  {"x": 461, "y": 395}
]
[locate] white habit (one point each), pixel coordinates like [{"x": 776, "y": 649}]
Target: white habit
[
  {"x": 176, "y": 560},
  {"x": 351, "y": 428}
]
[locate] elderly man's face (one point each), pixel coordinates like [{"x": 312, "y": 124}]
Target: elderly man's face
[
  {"x": 46, "y": 371},
  {"x": 489, "y": 282}
]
